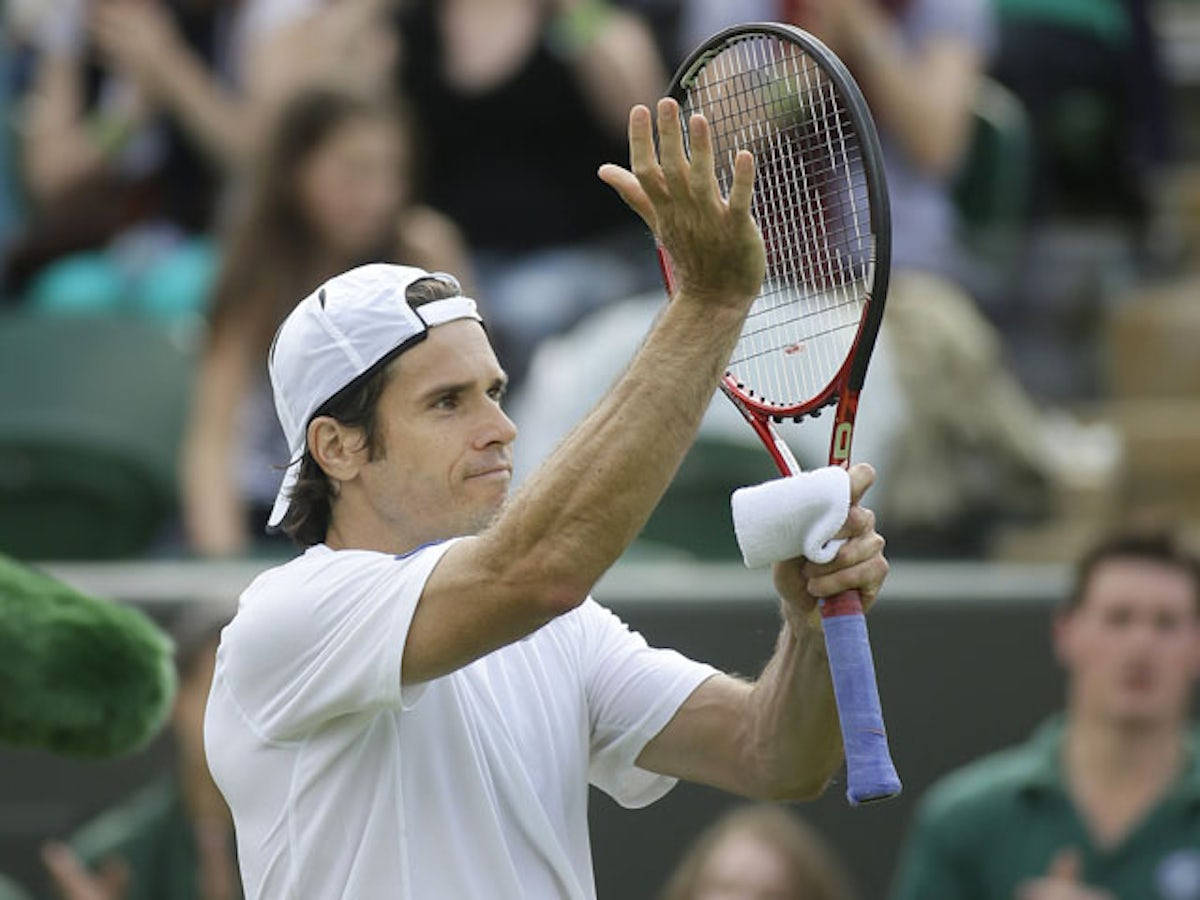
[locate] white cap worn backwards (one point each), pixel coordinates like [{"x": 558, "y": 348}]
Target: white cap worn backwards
[{"x": 347, "y": 329}]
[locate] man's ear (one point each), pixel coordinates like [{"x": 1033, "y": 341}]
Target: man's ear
[{"x": 339, "y": 450}]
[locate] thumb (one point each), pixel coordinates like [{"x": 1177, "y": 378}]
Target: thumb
[
  {"x": 862, "y": 476},
  {"x": 629, "y": 190},
  {"x": 1066, "y": 866}
]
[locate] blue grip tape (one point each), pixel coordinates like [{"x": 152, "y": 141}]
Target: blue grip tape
[{"x": 870, "y": 774}]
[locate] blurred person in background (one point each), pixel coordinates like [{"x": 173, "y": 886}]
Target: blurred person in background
[
  {"x": 518, "y": 100},
  {"x": 971, "y": 444},
  {"x": 173, "y": 839},
  {"x": 1090, "y": 74},
  {"x": 138, "y": 112},
  {"x": 758, "y": 853},
  {"x": 1103, "y": 802},
  {"x": 333, "y": 191},
  {"x": 1101, "y": 213}
]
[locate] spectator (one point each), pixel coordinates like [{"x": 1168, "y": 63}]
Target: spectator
[
  {"x": 138, "y": 112},
  {"x": 172, "y": 840},
  {"x": 758, "y": 853},
  {"x": 1103, "y": 802},
  {"x": 536, "y": 92},
  {"x": 332, "y": 192},
  {"x": 1091, "y": 77}
]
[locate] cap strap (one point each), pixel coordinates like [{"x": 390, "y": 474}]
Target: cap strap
[{"x": 439, "y": 312}]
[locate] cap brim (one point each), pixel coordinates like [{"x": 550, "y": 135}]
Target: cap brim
[{"x": 284, "y": 498}]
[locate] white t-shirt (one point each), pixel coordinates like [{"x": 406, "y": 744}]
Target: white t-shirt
[{"x": 473, "y": 785}]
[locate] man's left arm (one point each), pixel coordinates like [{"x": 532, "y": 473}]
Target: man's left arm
[{"x": 778, "y": 738}]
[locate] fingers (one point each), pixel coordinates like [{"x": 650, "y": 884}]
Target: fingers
[
  {"x": 668, "y": 172},
  {"x": 858, "y": 549},
  {"x": 859, "y": 564},
  {"x": 860, "y": 520},
  {"x": 862, "y": 476},
  {"x": 742, "y": 190},
  {"x": 866, "y": 577},
  {"x": 642, "y": 159},
  {"x": 703, "y": 175},
  {"x": 630, "y": 190},
  {"x": 670, "y": 145}
]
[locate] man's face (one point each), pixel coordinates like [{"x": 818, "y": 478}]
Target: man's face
[
  {"x": 447, "y": 445},
  {"x": 1132, "y": 646}
]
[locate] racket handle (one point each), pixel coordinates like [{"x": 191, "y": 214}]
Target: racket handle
[{"x": 870, "y": 773}]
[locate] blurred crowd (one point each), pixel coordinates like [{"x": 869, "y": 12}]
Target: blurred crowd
[{"x": 201, "y": 165}]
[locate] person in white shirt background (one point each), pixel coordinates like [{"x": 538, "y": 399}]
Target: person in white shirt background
[{"x": 416, "y": 705}]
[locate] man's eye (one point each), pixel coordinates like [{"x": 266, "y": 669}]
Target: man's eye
[
  {"x": 447, "y": 401},
  {"x": 497, "y": 394}
]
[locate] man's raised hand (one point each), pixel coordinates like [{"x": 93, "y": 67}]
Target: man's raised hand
[{"x": 715, "y": 248}]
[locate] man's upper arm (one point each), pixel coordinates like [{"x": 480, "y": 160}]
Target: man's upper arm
[
  {"x": 707, "y": 739},
  {"x": 323, "y": 641},
  {"x": 467, "y": 610}
]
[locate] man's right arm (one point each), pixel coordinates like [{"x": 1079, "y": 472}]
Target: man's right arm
[{"x": 572, "y": 520}]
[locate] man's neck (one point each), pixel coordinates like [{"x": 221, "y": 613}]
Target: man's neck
[
  {"x": 354, "y": 526},
  {"x": 374, "y": 535},
  {"x": 1114, "y": 751},
  {"x": 1116, "y": 772}
]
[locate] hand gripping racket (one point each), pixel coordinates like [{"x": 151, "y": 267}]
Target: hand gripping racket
[{"x": 821, "y": 203}]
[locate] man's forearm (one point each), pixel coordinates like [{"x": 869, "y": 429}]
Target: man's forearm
[
  {"x": 590, "y": 499},
  {"x": 796, "y": 739}
]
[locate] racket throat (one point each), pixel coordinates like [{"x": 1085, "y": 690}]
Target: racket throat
[{"x": 785, "y": 460}]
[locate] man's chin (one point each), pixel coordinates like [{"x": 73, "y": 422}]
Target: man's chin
[{"x": 484, "y": 516}]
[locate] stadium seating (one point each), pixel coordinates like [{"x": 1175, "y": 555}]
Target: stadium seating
[{"x": 91, "y": 411}]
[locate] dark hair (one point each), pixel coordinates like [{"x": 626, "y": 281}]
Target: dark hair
[
  {"x": 1153, "y": 544},
  {"x": 311, "y": 508},
  {"x": 814, "y": 873},
  {"x": 273, "y": 253}
]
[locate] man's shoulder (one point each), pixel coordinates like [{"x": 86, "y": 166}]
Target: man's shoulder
[
  {"x": 322, "y": 585},
  {"x": 988, "y": 785},
  {"x": 320, "y": 568}
]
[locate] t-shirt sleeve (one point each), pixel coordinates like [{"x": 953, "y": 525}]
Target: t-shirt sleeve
[
  {"x": 324, "y": 639},
  {"x": 632, "y": 691}
]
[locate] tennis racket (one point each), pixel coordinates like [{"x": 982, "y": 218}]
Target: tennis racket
[{"x": 821, "y": 204}]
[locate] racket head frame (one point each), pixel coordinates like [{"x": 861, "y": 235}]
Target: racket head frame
[{"x": 844, "y": 387}]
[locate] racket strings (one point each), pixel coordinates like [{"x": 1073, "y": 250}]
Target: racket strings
[{"x": 764, "y": 94}]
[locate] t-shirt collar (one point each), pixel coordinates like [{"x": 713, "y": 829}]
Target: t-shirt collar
[{"x": 1044, "y": 770}]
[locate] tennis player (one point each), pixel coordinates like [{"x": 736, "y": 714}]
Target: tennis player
[{"x": 414, "y": 707}]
